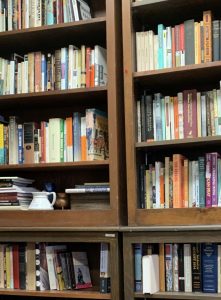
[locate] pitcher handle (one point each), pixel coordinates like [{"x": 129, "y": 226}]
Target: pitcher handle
[{"x": 54, "y": 197}]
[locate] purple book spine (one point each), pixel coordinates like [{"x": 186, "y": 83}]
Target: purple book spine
[
  {"x": 214, "y": 179},
  {"x": 190, "y": 113},
  {"x": 208, "y": 180}
]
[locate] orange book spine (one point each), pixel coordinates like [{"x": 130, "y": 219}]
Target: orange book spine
[
  {"x": 37, "y": 71},
  {"x": 69, "y": 138},
  {"x": 88, "y": 64},
  {"x": 92, "y": 72},
  {"x": 176, "y": 118},
  {"x": 207, "y": 21},
  {"x": 177, "y": 181}
]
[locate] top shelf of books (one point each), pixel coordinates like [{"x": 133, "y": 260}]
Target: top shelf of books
[{"x": 29, "y": 28}]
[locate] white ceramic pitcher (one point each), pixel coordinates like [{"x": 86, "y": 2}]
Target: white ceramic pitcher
[{"x": 40, "y": 201}]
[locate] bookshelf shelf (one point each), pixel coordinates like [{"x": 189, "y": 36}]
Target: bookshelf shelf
[
  {"x": 191, "y": 75},
  {"x": 179, "y": 295},
  {"x": 30, "y": 38},
  {"x": 66, "y": 96},
  {"x": 184, "y": 143},
  {"x": 57, "y": 166},
  {"x": 88, "y": 294}
]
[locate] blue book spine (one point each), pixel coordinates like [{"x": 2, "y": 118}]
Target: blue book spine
[
  {"x": 77, "y": 136},
  {"x": 209, "y": 267},
  {"x": 138, "y": 267},
  {"x": 20, "y": 144},
  {"x": 49, "y": 12},
  {"x": 160, "y": 47},
  {"x": 202, "y": 187},
  {"x": 43, "y": 73}
]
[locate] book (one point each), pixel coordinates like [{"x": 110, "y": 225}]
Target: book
[
  {"x": 150, "y": 274},
  {"x": 105, "y": 280},
  {"x": 88, "y": 190},
  {"x": 209, "y": 267},
  {"x": 81, "y": 270},
  {"x": 96, "y": 134}
]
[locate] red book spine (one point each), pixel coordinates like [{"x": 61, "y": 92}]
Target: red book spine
[
  {"x": 16, "y": 267},
  {"x": 37, "y": 71},
  {"x": 88, "y": 67}
]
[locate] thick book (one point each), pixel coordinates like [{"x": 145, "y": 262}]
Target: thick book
[
  {"x": 209, "y": 267},
  {"x": 150, "y": 274},
  {"x": 138, "y": 267},
  {"x": 97, "y": 134},
  {"x": 81, "y": 270}
]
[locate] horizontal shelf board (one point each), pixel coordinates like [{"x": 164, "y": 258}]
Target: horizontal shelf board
[
  {"x": 62, "y": 96},
  {"x": 56, "y": 166},
  {"x": 172, "y": 12},
  {"x": 57, "y": 218},
  {"x": 82, "y": 294},
  {"x": 53, "y": 35},
  {"x": 210, "y": 140},
  {"x": 178, "y": 295},
  {"x": 178, "y": 216},
  {"x": 181, "y": 76}
]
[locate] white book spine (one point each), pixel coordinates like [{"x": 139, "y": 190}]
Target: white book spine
[
  {"x": 190, "y": 185},
  {"x": 172, "y": 133},
  {"x": 169, "y": 47},
  {"x": 203, "y": 115},
  {"x": 156, "y": 46},
  {"x": 154, "y": 120},
  {"x": 27, "y": 9},
  {"x": 193, "y": 183},
  {"x": 47, "y": 142},
  {"x": 51, "y": 268},
  {"x": 12, "y": 77},
  {"x": 199, "y": 120},
  {"x": 76, "y": 14},
  {"x": 167, "y": 192},
  {"x": 151, "y": 49},
  {"x": 197, "y": 184},
  {"x": 165, "y": 48},
  {"x": 138, "y": 51},
  {"x": 19, "y": 79},
  {"x": 187, "y": 268},
  {"x": 9, "y": 15}
]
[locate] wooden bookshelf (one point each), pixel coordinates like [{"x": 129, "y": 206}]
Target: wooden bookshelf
[
  {"x": 103, "y": 29},
  {"x": 205, "y": 76},
  {"x": 173, "y": 234},
  {"x": 72, "y": 226}
]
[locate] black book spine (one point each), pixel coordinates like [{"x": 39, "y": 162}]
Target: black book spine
[
  {"x": 149, "y": 118},
  {"x": 142, "y": 185},
  {"x": 196, "y": 267},
  {"x": 22, "y": 266},
  {"x": 181, "y": 267},
  {"x": 143, "y": 118}
]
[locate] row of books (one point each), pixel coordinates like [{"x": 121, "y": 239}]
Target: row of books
[
  {"x": 21, "y": 14},
  {"x": 188, "y": 43},
  {"x": 177, "y": 267},
  {"x": 44, "y": 266},
  {"x": 178, "y": 182},
  {"x": 81, "y": 137},
  {"x": 67, "y": 68},
  {"x": 189, "y": 114}
]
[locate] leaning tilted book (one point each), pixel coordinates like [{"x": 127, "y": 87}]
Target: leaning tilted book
[{"x": 81, "y": 270}]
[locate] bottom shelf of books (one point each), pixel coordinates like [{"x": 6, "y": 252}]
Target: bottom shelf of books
[
  {"x": 172, "y": 264},
  {"x": 59, "y": 265}
]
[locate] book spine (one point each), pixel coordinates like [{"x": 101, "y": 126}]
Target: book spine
[
  {"x": 196, "y": 267},
  {"x": 175, "y": 266},
  {"x": 187, "y": 268},
  {"x": 216, "y": 39},
  {"x": 209, "y": 267},
  {"x": 169, "y": 267},
  {"x": 208, "y": 180},
  {"x": 202, "y": 188},
  {"x": 214, "y": 182},
  {"x": 207, "y": 21}
]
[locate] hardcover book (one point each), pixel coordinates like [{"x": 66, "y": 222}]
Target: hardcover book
[
  {"x": 97, "y": 134},
  {"x": 81, "y": 270}
]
